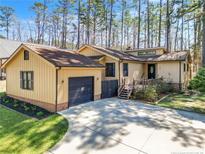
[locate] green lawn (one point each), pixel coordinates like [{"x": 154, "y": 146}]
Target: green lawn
[
  {"x": 22, "y": 135},
  {"x": 195, "y": 103}
]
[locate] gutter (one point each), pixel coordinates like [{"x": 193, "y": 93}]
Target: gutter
[{"x": 56, "y": 100}]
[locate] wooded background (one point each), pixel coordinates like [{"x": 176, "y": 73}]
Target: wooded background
[{"x": 175, "y": 24}]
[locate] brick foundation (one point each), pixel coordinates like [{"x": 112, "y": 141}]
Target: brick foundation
[
  {"x": 97, "y": 97},
  {"x": 48, "y": 106},
  {"x": 62, "y": 106}
]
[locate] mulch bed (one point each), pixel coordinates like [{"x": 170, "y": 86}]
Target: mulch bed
[{"x": 25, "y": 108}]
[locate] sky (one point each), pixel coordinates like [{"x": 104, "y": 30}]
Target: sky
[{"x": 23, "y": 7}]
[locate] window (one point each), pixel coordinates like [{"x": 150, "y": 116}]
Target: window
[
  {"x": 184, "y": 67},
  {"x": 110, "y": 69},
  {"x": 125, "y": 69},
  {"x": 146, "y": 53},
  {"x": 26, "y": 80},
  {"x": 26, "y": 55}
]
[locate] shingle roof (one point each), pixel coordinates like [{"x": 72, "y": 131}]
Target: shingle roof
[
  {"x": 61, "y": 57},
  {"x": 96, "y": 58},
  {"x": 7, "y": 47},
  {"x": 173, "y": 56},
  {"x": 145, "y": 49},
  {"x": 117, "y": 53}
]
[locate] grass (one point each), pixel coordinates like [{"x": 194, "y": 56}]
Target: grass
[
  {"x": 20, "y": 134},
  {"x": 194, "y": 103}
]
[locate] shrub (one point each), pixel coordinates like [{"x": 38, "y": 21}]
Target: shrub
[
  {"x": 33, "y": 108},
  {"x": 26, "y": 108},
  {"x": 164, "y": 87},
  {"x": 198, "y": 82},
  {"x": 150, "y": 93},
  {"x": 39, "y": 114},
  {"x": 138, "y": 94}
]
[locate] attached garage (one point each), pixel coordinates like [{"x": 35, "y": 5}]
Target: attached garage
[
  {"x": 81, "y": 90},
  {"x": 60, "y": 78}
]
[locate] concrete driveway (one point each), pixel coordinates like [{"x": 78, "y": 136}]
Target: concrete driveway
[{"x": 114, "y": 126}]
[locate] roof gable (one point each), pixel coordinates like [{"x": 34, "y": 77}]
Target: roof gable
[
  {"x": 58, "y": 57},
  {"x": 115, "y": 54}
]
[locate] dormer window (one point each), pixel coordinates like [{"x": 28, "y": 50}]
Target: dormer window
[{"x": 26, "y": 55}]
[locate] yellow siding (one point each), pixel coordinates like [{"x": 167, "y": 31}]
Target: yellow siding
[
  {"x": 110, "y": 60},
  {"x": 135, "y": 71},
  {"x": 170, "y": 71},
  {"x": 44, "y": 78},
  {"x": 89, "y": 52},
  {"x": 65, "y": 73}
]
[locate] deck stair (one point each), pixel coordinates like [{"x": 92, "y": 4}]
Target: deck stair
[{"x": 125, "y": 91}]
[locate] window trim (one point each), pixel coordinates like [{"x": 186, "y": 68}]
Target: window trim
[
  {"x": 106, "y": 70},
  {"x": 26, "y": 55},
  {"x": 125, "y": 72},
  {"x": 26, "y": 84}
]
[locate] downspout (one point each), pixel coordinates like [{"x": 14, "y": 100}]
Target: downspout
[
  {"x": 119, "y": 71},
  {"x": 180, "y": 75},
  {"x": 56, "y": 100}
]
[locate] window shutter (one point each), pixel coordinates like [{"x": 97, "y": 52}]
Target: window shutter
[
  {"x": 32, "y": 80},
  {"x": 113, "y": 70},
  {"x": 21, "y": 79}
]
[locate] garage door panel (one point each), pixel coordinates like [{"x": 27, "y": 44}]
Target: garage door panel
[{"x": 80, "y": 90}]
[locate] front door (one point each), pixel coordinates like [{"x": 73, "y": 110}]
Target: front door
[{"x": 151, "y": 71}]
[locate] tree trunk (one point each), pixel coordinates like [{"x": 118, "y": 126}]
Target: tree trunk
[
  {"x": 203, "y": 35},
  {"x": 148, "y": 25},
  {"x": 78, "y": 39},
  {"x": 176, "y": 37},
  {"x": 167, "y": 27},
  {"x": 122, "y": 23},
  {"x": 160, "y": 24},
  {"x": 110, "y": 25},
  {"x": 88, "y": 24},
  {"x": 139, "y": 22},
  {"x": 182, "y": 29}
]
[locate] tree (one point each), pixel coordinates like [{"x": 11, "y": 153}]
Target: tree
[
  {"x": 203, "y": 33},
  {"x": 148, "y": 24},
  {"x": 160, "y": 24},
  {"x": 63, "y": 10},
  {"x": 79, "y": 12},
  {"x": 6, "y": 14},
  {"x": 39, "y": 9},
  {"x": 123, "y": 5},
  {"x": 110, "y": 23},
  {"x": 139, "y": 24}
]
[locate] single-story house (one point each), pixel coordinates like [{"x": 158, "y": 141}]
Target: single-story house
[
  {"x": 7, "y": 47},
  {"x": 151, "y": 63},
  {"x": 56, "y": 79}
]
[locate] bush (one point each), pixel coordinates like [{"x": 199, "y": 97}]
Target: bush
[
  {"x": 198, "y": 82},
  {"x": 150, "y": 93},
  {"x": 164, "y": 86},
  {"x": 40, "y": 114},
  {"x": 138, "y": 94}
]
